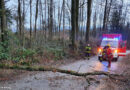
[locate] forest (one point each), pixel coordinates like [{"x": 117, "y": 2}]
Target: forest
[
  {"x": 50, "y": 26},
  {"x": 40, "y": 32}
]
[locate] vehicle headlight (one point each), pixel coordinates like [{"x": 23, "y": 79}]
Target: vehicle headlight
[
  {"x": 115, "y": 51},
  {"x": 100, "y": 50}
]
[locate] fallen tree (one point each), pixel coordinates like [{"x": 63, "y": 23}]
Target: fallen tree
[{"x": 44, "y": 68}]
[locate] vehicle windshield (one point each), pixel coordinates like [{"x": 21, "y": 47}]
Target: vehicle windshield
[{"x": 114, "y": 44}]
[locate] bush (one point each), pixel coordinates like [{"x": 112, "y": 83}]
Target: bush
[
  {"x": 4, "y": 55},
  {"x": 57, "y": 52},
  {"x": 54, "y": 50},
  {"x": 23, "y": 54}
]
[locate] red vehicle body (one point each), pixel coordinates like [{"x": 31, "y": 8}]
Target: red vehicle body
[{"x": 118, "y": 46}]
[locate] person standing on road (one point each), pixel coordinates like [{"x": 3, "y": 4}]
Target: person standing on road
[
  {"x": 88, "y": 51},
  {"x": 109, "y": 55}
]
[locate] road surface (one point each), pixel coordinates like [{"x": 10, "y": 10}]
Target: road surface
[{"x": 59, "y": 81}]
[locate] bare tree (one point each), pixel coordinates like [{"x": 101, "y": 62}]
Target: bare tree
[
  {"x": 23, "y": 22},
  {"x": 36, "y": 16},
  {"x": 20, "y": 18},
  {"x": 94, "y": 24},
  {"x": 51, "y": 20},
  {"x": 3, "y": 21},
  {"x": 59, "y": 17},
  {"x": 45, "y": 19},
  {"x": 77, "y": 19},
  {"x": 88, "y": 19},
  {"x": 105, "y": 16},
  {"x": 73, "y": 23},
  {"x": 63, "y": 18},
  {"x": 30, "y": 22}
]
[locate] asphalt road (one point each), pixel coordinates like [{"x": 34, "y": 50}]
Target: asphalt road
[{"x": 58, "y": 81}]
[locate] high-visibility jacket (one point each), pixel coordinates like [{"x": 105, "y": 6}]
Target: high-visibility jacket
[
  {"x": 104, "y": 53},
  {"x": 107, "y": 52},
  {"x": 88, "y": 49}
]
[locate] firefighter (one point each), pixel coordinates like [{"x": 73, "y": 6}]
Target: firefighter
[
  {"x": 104, "y": 53},
  {"x": 88, "y": 51},
  {"x": 109, "y": 55}
]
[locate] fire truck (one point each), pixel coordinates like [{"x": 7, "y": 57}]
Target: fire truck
[{"x": 118, "y": 46}]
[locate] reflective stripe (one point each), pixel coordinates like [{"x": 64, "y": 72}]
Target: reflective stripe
[
  {"x": 122, "y": 54},
  {"x": 88, "y": 49}
]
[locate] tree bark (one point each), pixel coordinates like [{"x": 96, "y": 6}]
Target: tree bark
[
  {"x": 23, "y": 22},
  {"x": 51, "y": 20},
  {"x": 77, "y": 20},
  {"x": 20, "y": 18},
  {"x": 94, "y": 24},
  {"x": 63, "y": 18},
  {"x": 30, "y": 23},
  {"x": 45, "y": 22},
  {"x": 42, "y": 68},
  {"x": 73, "y": 23},
  {"x": 88, "y": 19},
  {"x": 59, "y": 19},
  {"x": 36, "y": 16},
  {"x": 105, "y": 16},
  {"x": 3, "y": 21},
  {"x": 108, "y": 14}
]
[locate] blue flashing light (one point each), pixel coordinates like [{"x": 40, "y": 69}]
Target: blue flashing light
[
  {"x": 111, "y": 38},
  {"x": 104, "y": 38},
  {"x": 116, "y": 39}
]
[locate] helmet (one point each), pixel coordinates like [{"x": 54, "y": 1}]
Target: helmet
[
  {"x": 88, "y": 44},
  {"x": 108, "y": 45}
]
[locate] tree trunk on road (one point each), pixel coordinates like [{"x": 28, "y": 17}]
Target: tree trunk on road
[{"x": 42, "y": 68}]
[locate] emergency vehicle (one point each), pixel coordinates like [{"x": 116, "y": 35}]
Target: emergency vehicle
[{"x": 118, "y": 46}]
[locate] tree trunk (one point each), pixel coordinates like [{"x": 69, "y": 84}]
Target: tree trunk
[
  {"x": 94, "y": 24},
  {"x": 59, "y": 19},
  {"x": 73, "y": 23},
  {"x": 20, "y": 18},
  {"x": 42, "y": 68},
  {"x": 45, "y": 21},
  {"x": 82, "y": 20},
  {"x": 63, "y": 22},
  {"x": 36, "y": 16},
  {"x": 105, "y": 16},
  {"x": 77, "y": 20},
  {"x": 51, "y": 20},
  {"x": 3, "y": 22},
  {"x": 108, "y": 14},
  {"x": 88, "y": 19},
  {"x": 23, "y": 22},
  {"x": 30, "y": 23}
]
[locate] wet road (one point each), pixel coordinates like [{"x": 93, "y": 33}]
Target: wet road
[{"x": 58, "y": 81}]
